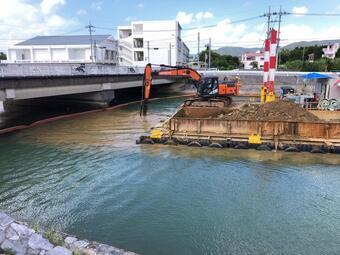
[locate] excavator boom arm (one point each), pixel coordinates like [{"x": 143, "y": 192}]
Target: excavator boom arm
[{"x": 172, "y": 71}]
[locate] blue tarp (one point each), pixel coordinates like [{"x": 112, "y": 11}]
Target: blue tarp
[{"x": 310, "y": 76}]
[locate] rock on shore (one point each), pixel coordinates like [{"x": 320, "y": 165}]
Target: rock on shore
[{"x": 18, "y": 238}]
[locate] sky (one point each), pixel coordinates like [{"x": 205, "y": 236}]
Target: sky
[{"x": 23, "y": 19}]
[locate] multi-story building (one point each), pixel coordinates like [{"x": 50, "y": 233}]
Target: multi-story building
[
  {"x": 253, "y": 60},
  {"x": 156, "y": 42},
  {"x": 65, "y": 49}
]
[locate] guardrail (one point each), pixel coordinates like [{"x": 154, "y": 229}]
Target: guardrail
[
  {"x": 64, "y": 69},
  {"x": 260, "y": 73}
]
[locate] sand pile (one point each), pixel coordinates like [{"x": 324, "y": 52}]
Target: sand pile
[{"x": 274, "y": 111}]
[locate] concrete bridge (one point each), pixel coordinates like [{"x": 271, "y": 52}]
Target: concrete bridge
[
  {"x": 92, "y": 82},
  {"x": 98, "y": 82}
]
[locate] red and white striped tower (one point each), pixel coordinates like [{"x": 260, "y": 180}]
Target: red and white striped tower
[
  {"x": 272, "y": 59},
  {"x": 266, "y": 62},
  {"x": 264, "y": 89}
]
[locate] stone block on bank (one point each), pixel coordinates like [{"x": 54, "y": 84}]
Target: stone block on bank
[
  {"x": 36, "y": 241},
  {"x": 2, "y": 234},
  {"x": 13, "y": 247},
  {"x": 70, "y": 240},
  {"x": 5, "y": 220},
  {"x": 21, "y": 230},
  {"x": 79, "y": 245},
  {"x": 59, "y": 251}
]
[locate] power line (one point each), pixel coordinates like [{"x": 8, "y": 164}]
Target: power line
[
  {"x": 189, "y": 28},
  {"x": 312, "y": 14}
]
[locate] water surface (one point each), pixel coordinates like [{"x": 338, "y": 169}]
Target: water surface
[{"x": 86, "y": 176}]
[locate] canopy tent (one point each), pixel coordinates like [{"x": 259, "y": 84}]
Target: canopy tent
[{"x": 311, "y": 76}]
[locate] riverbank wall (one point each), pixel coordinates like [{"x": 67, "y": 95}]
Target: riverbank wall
[{"x": 21, "y": 238}]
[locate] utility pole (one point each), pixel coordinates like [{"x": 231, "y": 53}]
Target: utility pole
[
  {"x": 303, "y": 54},
  {"x": 90, "y": 28},
  {"x": 170, "y": 53},
  {"x": 148, "y": 43},
  {"x": 268, "y": 22},
  {"x": 95, "y": 51},
  {"x": 198, "y": 48},
  {"x": 278, "y": 39},
  {"x": 209, "y": 52}
]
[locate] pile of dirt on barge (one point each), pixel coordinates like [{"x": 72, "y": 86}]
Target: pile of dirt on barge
[
  {"x": 273, "y": 111},
  {"x": 278, "y": 125}
]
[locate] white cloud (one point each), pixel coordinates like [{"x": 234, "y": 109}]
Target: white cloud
[
  {"x": 222, "y": 34},
  {"x": 97, "y": 5},
  {"x": 187, "y": 18},
  {"x": 293, "y": 32},
  {"x": 203, "y": 15},
  {"x": 299, "y": 10},
  {"x": 184, "y": 18},
  {"x": 81, "y": 12},
  {"x": 140, "y": 5},
  {"x": 20, "y": 20},
  {"x": 338, "y": 7},
  {"x": 48, "y": 5}
]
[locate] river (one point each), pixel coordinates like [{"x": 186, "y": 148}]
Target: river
[{"x": 86, "y": 176}]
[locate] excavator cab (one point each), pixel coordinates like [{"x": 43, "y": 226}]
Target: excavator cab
[
  {"x": 208, "y": 87},
  {"x": 211, "y": 87}
]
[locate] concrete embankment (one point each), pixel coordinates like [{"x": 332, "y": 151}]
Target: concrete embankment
[{"x": 20, "y": 238}]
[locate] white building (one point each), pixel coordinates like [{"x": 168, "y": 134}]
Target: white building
[
  {"x": 330, "y": 51},
  {"x": 156, "y": 42},
  {"x": 248, "y": 59},
  {"x": 69, "y": 49}
]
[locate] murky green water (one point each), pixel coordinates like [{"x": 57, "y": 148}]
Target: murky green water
[{"x": 86, "y": 176}]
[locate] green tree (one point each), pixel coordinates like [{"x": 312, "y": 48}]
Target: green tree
[
  {"x": 301, "y": 53},
  {"x": 294, "y": 65},
  {"x": 3, "y": 56},
  {"x": 222, "y": 62}
]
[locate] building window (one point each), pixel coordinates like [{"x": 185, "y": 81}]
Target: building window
[
  {"x": 138, "y": 42},
  {"x": 137, "y": 28},
  {"x": 139, "y": 55}
]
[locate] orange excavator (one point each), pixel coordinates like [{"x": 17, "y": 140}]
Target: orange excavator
[{"x": 210, "y": 92}]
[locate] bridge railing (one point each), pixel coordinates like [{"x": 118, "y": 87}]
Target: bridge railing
[{"x": 64, "y": 69}]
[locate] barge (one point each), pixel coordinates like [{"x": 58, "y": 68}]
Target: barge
[{"x": 313, "y": 131}]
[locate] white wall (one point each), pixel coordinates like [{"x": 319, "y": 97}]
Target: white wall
[
  {"x": 41, "y": 54},
  {"x": 247, "y": 63},
  {"x": 59, "y": 54},
  {"x": 63, "y": 53},
  {"x": 163, "y": 43}
]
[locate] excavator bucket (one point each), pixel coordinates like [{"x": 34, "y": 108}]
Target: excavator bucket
[{"x": 147, "y": 80}]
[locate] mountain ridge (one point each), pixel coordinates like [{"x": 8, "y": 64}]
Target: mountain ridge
[{"x": 238, "y": 51}]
